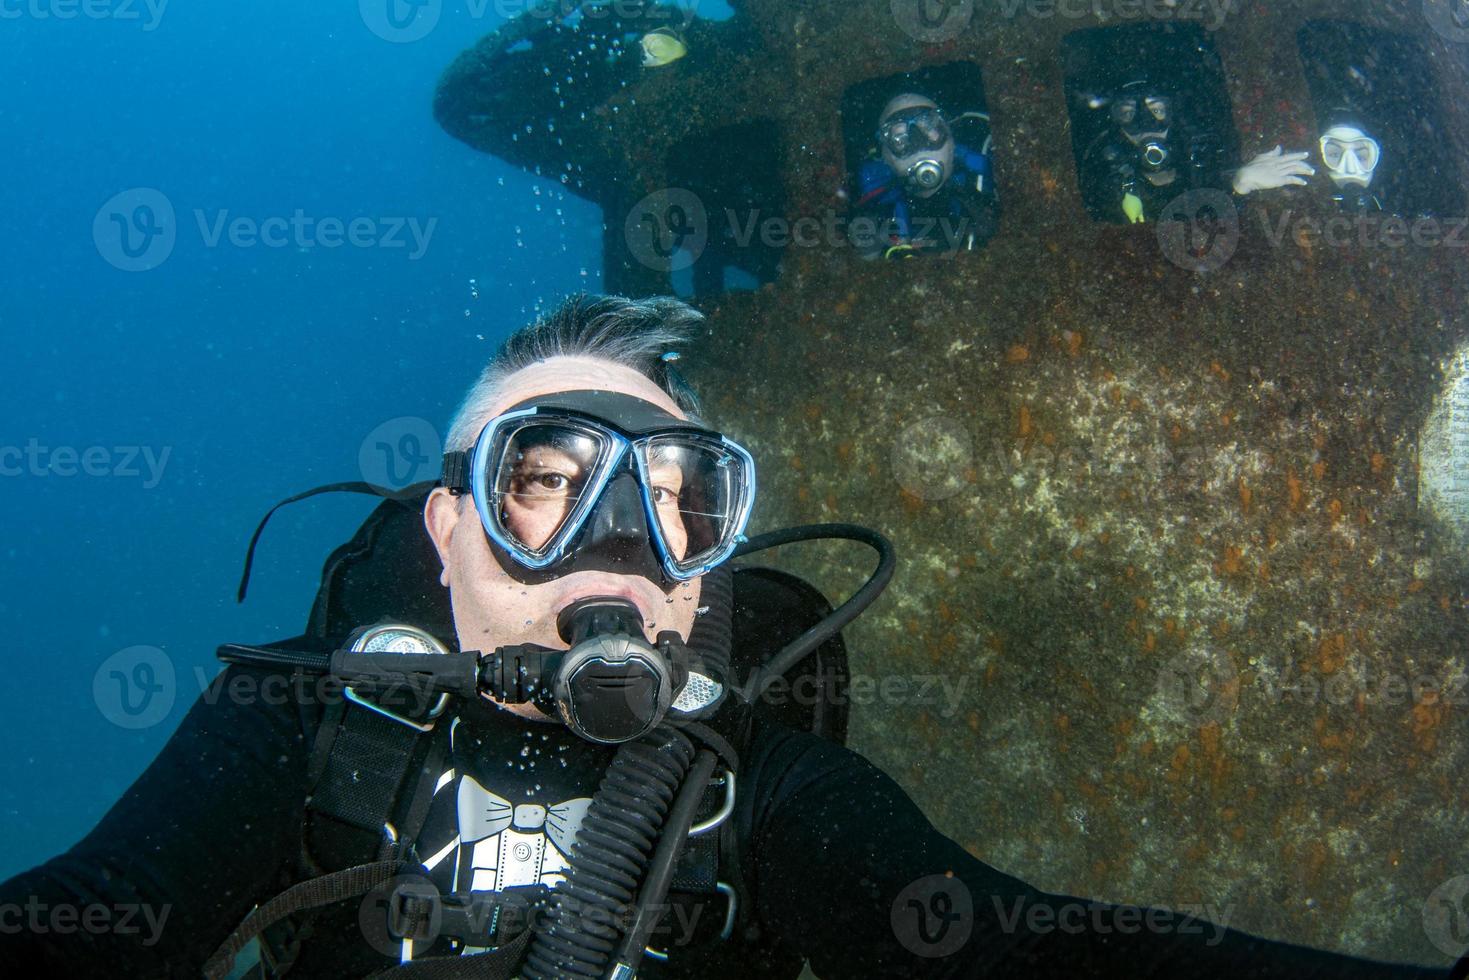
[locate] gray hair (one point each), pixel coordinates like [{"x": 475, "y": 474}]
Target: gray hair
[{"x": 636, "y": 334}]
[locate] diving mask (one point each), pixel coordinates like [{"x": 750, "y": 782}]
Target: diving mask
[
  {"x": 1350, "y": 155},
  {"x": 566, "y": 480},
  {"x": 913, "y": 130}
]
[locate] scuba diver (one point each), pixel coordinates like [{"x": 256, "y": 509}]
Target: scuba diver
[
  {"x": 1351, "y": 158},
  {"x": 576, "y": 755},
  {"x": 927, "y": 192},
  {"x": 1148, "y": 151}
]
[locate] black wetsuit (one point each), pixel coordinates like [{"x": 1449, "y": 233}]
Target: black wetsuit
[
  {"x": 1115, "y": 168},
  {"x": 829, "y": 843}
]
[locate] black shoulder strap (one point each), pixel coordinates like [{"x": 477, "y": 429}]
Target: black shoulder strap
[{"x": 372, "y": 773}]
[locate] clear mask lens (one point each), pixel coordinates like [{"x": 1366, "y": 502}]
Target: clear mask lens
[
  {"x": 540, "y": 476},
  {"x": 695, "y": 488}
]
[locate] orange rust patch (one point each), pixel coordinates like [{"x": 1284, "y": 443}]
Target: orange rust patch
[
  {"x": 1217, "y": 369},
  {"x": 1379, "y": 463},
  {"x": 1331, "y": 653},
  {"x": 1425, "y": 719},
  {"x": 1231, "y": 563},
  {"x": 1073, "y": 342},
  {"x": 1023, "y": 426},
  {"x": 1017, "y": 354},
  {"x": 1318, "y": 469},
  {"x": 1294, "y": 497},
  {"x": 1246, "y": 495},
  {"x": 1178, "y": 763}
]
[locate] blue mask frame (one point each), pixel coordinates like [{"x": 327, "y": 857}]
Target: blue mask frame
[{"x": 618, "y": 448}]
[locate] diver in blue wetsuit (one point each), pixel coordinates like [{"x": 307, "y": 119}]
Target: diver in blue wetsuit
[
  {"x": 561, "y": 771},
  {"x": 926, "y": 192}
]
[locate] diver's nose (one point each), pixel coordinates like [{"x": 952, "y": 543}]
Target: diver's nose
[
  {"x": 618, "y": 526},
  {"x": 1351, "y": 163}
]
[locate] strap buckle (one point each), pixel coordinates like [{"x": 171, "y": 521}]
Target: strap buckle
[{"x": 727, "y": 776}]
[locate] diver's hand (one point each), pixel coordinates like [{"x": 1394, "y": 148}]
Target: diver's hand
[
  {"x": 1273, "y": 169},
  {"x": 1132, "y": 206}
]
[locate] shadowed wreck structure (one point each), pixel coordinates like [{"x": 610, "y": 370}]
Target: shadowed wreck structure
[{"x": 1179, "y": 505}]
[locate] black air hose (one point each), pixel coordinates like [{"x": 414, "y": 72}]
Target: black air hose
[{"x": 591, "y": 905}]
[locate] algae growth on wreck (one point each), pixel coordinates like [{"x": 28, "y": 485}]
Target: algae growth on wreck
[{"x": 1180, "y": 507}]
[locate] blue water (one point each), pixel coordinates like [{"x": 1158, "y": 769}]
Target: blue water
[{"x": 259, "y": 370}]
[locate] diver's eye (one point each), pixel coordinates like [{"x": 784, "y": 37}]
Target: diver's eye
[
  {"x": 1158, "y": 108},
  {"x": 551, "y": 481},
  {"x": 1124, "y": 112}
]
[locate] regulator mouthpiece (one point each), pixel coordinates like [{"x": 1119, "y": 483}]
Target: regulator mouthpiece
[
  {"x": 927, "y": 174},
  {"x": 612, "y": 686}
]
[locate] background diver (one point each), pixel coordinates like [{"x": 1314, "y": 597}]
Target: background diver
[
  {"x": 1148, "y": 151},
  {"x": 1351, "y": 157},
  {"x": 927, "y": 192},
  {"x": 582, "y": 530}
]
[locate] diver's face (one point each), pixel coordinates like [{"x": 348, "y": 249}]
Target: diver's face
[
  {"x": 491, "y": 609},
  {"x": 1350, "y": 156},
  {"x": 1141, "y": 118}
]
